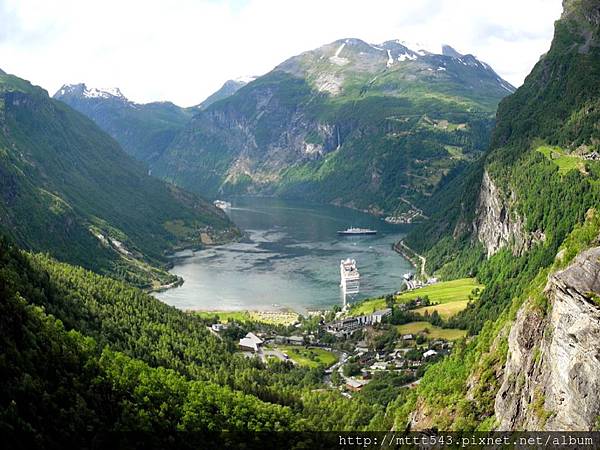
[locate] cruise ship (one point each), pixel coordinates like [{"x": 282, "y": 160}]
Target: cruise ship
[
  {"x": 350, "y": 278},
  {"x": 353, "y": 231}
]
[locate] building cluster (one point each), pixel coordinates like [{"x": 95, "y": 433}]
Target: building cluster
[
  {"x": 348, "y": 325},
  {"x": 413, "y": 283},
  {"x": 406, "y": 360}
]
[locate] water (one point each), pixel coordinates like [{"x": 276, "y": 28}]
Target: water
[{"x": 290, "y": 259}]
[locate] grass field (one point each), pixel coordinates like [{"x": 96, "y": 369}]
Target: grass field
[
  {"x": 455, "y": 291},
  {"x": 434, "y": 332},
  {"x": 564, "y": 161},
  {"x": 309, "y": 357},
  {"x": 272, "y": 317},
  {"x": 446, "y": 310}
]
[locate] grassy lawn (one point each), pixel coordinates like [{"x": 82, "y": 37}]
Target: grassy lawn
[
  {"x": 309, "y": 357},
  {"x": 444, "y": 292},
  {"x": 564, "y": 161},
  {"x": 434, "y": 332},
  {"x": 446, "y": 310},
  {"x": 272, "y": 317},
  {"x": 455, "y": 291}
]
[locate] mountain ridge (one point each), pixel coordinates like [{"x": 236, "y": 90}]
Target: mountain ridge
[
  {"x": 143, "y": 130},
  {"x": 332, "y": 124},
  {"x": 69, "y": 189}
]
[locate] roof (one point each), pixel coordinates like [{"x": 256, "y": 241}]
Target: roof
[
  {"x": 296, "y": 338},
  {"x": 383, "y": 312},
  {"x": 355, "y": 383},
  {"x": 254, "y": 338},
  {"x": 248, "y": 343},
  {"x": 429, "y": 353}
]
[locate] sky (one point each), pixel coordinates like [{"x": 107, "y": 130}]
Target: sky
[{"x": 184, "y": 50}]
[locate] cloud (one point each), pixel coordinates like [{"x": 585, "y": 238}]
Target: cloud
[{"x": 183, "y": 51}]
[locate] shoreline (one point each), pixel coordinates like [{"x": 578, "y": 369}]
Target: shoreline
[{"x": 410, "y": 255}]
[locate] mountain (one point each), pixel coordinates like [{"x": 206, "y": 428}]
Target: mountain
[
  {"x": 67, "y": 188},
  {"x": 374, "y": 127},
  {"x": 229, "y": 88},
  {"x": 143, "y": 130},
  {"x": 526, "y": 222}
]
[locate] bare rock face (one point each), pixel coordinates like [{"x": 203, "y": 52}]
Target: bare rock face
[
  {"x": 552, "y": 375},
  {"x": 496, "y": 225}
]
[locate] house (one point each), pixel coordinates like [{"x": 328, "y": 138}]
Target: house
[
  {"x": 429, "y": 354},
  {"x": 218, "y": 327},
  {"x": 281, "y": 339},
  {"x": 379, "y": 366},
  {"x": 250, "y": 342},
  {"x": 407, "y": 337},
  {"x": 361, "y": 346},
  {"x": 377, "y": 316},
  {"x": 296, "y": 340},
  {"x": 355, "y": 385},
  {"x": 291, "y": 340}
]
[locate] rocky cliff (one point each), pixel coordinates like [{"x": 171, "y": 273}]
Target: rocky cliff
[
  {"x": 497, "y": 224},
  {"x": 551, "y": 378}
]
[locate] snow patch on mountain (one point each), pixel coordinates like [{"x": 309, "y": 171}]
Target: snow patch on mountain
[
  {"x": 336, "y": 57},
  {"x": 103, "y": 93},
  {"x": 407, "y": 56}
]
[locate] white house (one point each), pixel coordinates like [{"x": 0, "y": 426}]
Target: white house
[
  {"x": 218, "y": 326},
  {"x": 429, "y": 354},
  {"x": 251, "y": 342}
]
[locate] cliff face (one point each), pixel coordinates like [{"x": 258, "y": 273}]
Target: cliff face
[
  {"x": 551, "y": 378},
  {"x": 497, "y": 225}
]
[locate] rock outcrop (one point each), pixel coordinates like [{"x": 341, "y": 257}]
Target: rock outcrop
[
  {"x": 497, "y": 224},
  {"x": 551, "y": 378}
]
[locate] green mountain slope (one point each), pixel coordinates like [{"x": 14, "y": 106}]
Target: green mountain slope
[
  {"x": 371, "y": 127},
  {"x": 229, "y": 88},
  {"x": 67, "y": 188},
  {"x": 107, "y": 357},
  {"x": 143, "y": 130},
  {"x": 523, "y": 221}
]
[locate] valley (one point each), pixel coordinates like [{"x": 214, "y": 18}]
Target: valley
[{"x": 181, "y": 276}]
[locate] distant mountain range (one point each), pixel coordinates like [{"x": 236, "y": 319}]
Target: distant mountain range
[
  {"x": 373, "y": 127},
  {"x": 143, "y": 130},
  {"x": 69, "y": 189}
]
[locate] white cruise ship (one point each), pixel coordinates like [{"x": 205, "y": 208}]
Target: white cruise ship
[{"x": 350, "y": 277}]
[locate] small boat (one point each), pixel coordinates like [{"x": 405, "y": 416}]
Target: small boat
[
  {"x": 353, "y": 231},
  {"x": 222, "y": 204}
]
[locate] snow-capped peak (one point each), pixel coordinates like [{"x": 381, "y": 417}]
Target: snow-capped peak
[
  {"x": 102, "y": 93},
  {"x": 245, "y": 79},
  {"x": 81, "y": 90}
]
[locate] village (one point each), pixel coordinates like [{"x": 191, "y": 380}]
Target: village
[{"x": 397, "y": 336}]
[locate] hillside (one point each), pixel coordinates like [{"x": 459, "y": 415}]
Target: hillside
[
  {"x": 67, "y": 188},
  {"x": 525, "y": 222},
  {"x": 143, "y": 130},
  {"x": 370, "y": 127},
  {"x": 106, "y": 357}
]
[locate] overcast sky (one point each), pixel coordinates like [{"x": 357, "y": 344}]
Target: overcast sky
[{"x": 184, "y": 50}]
